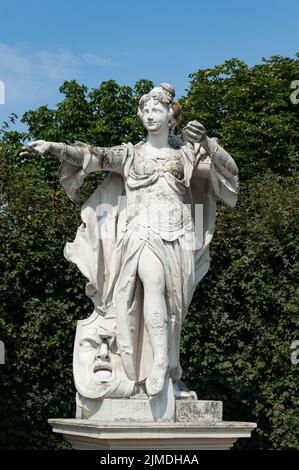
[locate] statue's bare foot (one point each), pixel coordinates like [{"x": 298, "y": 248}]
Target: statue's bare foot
[
  {"x": 154, "y": 383},
  {"x": 181, "y": 392}
]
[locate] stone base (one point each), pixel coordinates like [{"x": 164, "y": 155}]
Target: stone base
[
  {"x": 116, "y": 410},
  {"x": 93, "y": 435},
  {"x": 133, "y": 425}
]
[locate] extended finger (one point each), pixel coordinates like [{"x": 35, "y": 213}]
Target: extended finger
[
  {"x": 192, "y": 135},
  {"x": 27, "y": 149},
  {"x": 34, "y": 144},
  {"x": 196, "y": 125},
  {"x": 196, "y": 130}
]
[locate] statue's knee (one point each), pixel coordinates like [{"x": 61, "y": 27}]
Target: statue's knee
[{"x": 151, "y": 272}]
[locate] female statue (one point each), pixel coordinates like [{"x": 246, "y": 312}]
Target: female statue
[{"x": 144, "y": 241}]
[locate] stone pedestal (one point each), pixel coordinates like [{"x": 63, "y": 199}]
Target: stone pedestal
[
  {"x": 201, "y": 435},
  {"x": 197, "y": 425}
]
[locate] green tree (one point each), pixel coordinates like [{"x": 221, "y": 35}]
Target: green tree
[{"x": 250, "y": 111}]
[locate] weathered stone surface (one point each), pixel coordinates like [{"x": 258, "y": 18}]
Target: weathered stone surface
[
  {"x": 198, "y": 410},
  {"x": 92, "y": 435},
  {"x": 159, "y": 408},
  {"x": 149, "y": 410}
]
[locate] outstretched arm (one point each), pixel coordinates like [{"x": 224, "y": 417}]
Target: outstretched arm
[
  {"x": 79, "y": 160},
  {"x": 89, "y": 157}
]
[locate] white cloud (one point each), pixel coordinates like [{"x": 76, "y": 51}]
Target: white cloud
[{"x": 32, "y": 77}]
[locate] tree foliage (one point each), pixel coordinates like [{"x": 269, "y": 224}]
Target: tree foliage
[
  {"x": 250, "y": 111},
  {"x": 244, "y": 315}
]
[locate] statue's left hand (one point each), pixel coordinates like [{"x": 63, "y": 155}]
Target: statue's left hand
[
  {"x": 38, "y": 147},
  {"x": 194, "y": 132}
]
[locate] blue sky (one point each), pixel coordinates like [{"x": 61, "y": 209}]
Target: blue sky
[{"x": 44, "y": 43}]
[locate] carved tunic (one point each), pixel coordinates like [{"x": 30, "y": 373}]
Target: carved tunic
[{"x": 155, "y": 188}]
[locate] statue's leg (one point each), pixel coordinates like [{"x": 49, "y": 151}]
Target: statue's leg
[{"x": 151, "y": 273}]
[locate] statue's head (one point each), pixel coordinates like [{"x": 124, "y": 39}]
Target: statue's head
[
  {"x": 98, "y": 369},
  {"x": 157, "y": 109}
]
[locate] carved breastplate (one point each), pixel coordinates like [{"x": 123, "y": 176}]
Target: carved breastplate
[{"x": 148, "y": 166}]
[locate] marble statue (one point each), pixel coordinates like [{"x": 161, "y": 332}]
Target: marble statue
[{"x": 142, "y": 246}]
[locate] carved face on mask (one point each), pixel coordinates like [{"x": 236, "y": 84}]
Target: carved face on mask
[{"x": 98, "y": 369}]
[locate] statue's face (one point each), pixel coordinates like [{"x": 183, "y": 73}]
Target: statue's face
[
  {"x": 155, "y": 116},
  {"x": 98, "y": 368}
]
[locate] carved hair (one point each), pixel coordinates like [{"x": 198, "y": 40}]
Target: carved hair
[{"x": 163, "y": 94}]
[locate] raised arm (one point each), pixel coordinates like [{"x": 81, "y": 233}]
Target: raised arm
[
  {"x": 213, "y": 163},
  {"x": 216, "y": 164},
  {"x": 213, "y": 152}
]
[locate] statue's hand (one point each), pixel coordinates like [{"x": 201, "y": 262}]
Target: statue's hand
[
  {"x": 38, "y": 147},
  {"x": 194, "y": 132}
]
